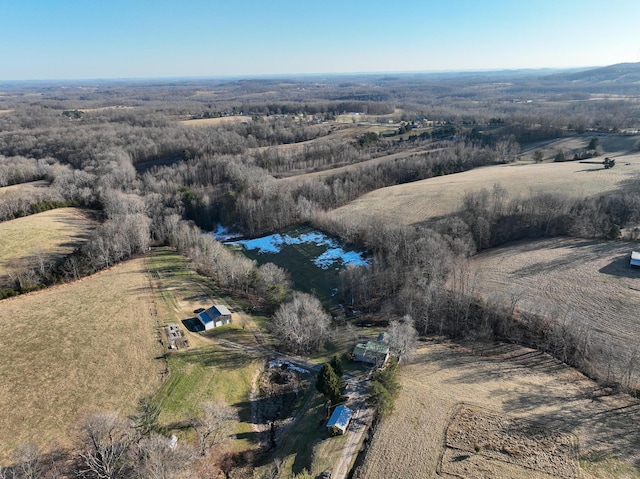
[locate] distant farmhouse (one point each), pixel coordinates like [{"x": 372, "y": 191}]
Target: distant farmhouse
[
  {"x": 371, "y": 352},
  {"x": 339, "y": 420},
  {"x": 635, "y": 258},
  {"x": 214, "y": 316}
]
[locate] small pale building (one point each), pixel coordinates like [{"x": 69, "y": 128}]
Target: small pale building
[
  {"x": 635, "y": 259},
  {"x": 214, "y": 317},
  {"x": 339, "y": 420},
  {"x": 371, "y": 352}
]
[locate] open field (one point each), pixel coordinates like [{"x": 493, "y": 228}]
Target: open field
[
  {"x": 588, "y": 285},
  {"x": 422, "y": 200},
  {"x": 215, "y": 121},
  {"x": 180, "y": 291},
  {"x": 26, "y": 191},
  {"x": 74, "y": 349},
  {"x": 505, "y": 412},
  {"x": 53, "y": 234}
]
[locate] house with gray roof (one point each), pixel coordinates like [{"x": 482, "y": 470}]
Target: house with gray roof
[
  {"x": 214, "y": 316},
  {"x": 371, "y": 352}
]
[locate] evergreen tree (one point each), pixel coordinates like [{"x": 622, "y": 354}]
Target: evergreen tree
[
  {"x": 336, "y": 364},
  {"x": 328, "y": 383}
]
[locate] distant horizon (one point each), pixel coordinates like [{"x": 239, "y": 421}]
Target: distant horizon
[
  {"x": 309, "y": 75},
  {"x": 78, "y": 40}
]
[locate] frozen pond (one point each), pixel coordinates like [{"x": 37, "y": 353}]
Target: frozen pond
[
  {"x": 313, "y": 258},
  {"x": 333, "y": 254}
]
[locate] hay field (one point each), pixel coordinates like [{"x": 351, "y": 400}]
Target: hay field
[
  {"x": 53, "y": 233},
  {"x": 26, "y": 191},
  {"x": 216, "y": 121},
  {"x": 582, "y": 283},
  {"x": 422, "y": 200},
  {"x": 76, "y": 348},
  {"x": 525, "y": 415}
]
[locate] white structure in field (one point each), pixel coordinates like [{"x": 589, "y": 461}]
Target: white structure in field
[
  {"x": 635, "y": 258},
  {"x": 214, "y": 316},
  {"x": 339, "y": 420}
]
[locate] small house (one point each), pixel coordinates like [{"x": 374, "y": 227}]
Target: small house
[
  {"x": 339, "y": 420},
  {"x": 635, "y": 259},
  {"x": 371, "y": 352},
  {"x": 214, "y": 316}
]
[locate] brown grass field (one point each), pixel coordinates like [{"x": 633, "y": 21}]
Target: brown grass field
[
  {"x": 585, "y": 284},
  {"x": 27, "y": 191},
  {"x": 74, "y": 349},
  {"x": 215, "y": 121},
  {"x": 505, "y": 412},
  {"x": 422, "y": 200},
  {"x": 53, "y": 233}
]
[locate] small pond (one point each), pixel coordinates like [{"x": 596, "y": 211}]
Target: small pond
[{"x": 313, "y": 258}]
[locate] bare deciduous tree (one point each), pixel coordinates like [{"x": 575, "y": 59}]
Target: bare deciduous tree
[
  {"x": 402, "y": 338},
  {"x": 301, "y": 324},
  {"x": 214, "y": 425},
  {"x": 107, "y": 437},
  {"x": 159, "y": 458},
  {"x": 28, "y": 462}
]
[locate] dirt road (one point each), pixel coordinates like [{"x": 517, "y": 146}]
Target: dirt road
[{"x": 358, "y": 391}]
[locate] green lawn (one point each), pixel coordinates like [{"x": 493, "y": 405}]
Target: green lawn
[{"x": 209, "y": 373}]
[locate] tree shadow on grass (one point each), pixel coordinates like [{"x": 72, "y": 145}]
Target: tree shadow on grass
[{"x": 219, "y": 357}]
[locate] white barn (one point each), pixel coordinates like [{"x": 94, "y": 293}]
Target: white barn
[
  {"x": 214, "y": 316},
  {"x": 635, "y": 258}
]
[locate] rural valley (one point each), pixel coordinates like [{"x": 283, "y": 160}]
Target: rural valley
[{"x": 364, "y": 276}]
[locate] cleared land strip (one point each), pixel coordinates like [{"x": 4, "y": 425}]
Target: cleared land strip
[
  {"x": 516, "y": 384},
  {"x": 50, "y": 234},
  {"x": 74, "y": 349},
  {"x": 422, "y": 200}
]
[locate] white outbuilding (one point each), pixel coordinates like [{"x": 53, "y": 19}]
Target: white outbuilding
[{"x": 214, "y": 316}]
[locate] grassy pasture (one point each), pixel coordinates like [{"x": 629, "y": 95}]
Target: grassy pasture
[
  {"x": 215, "y": 121},
  {"x": 27, "y": 191},
  {"x": 586, "y": 284},
  {"x": 73, "y": 349},
  {"x": 53, "y": 233},
  {"x": 423, "y": 200},
  {"x": 206, "y": 371},
  {"x": 530, "y": 393}
]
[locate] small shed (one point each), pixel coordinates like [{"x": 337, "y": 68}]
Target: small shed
[
  {"x": 371, "y": 352},
  {"x": 339, "y": 420},
  {"x": 635, "y": 259},
  {"x": 214, "y": 316}
]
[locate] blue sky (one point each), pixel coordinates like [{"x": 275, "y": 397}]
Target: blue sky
[{"x": 82, "y": 39}]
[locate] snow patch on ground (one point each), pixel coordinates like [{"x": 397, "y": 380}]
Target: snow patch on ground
[{"x": 334, "y": 255}]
